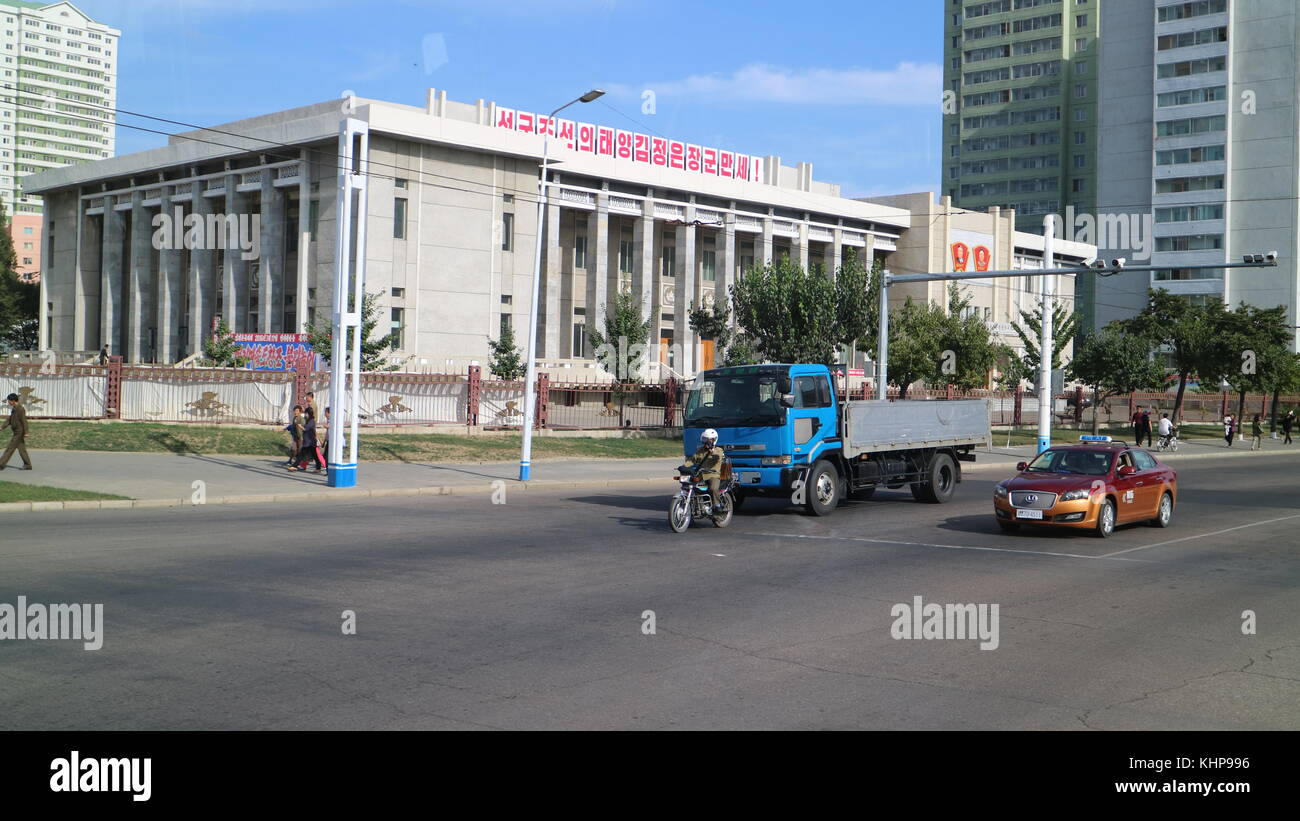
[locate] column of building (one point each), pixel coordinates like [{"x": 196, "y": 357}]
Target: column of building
[
  {"x": 140, "y": 288},
  {"x": 110, "y": 288},
  {"x": 170, "y": 284},
  {"x": 685, "y": 271},
  {"x": 597, "y": 297}
]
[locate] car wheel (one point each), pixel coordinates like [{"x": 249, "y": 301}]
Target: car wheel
[
  {"x": 1105, "y": 520},
  {"x": 823, "y": 491},
  {"x": 1164, "y": 513},
  {"x": 941, "y": 481},
  {"x": 1008, "y": 527}
]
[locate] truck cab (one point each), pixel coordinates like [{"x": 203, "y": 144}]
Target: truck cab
[{"x": 772, "y": 420}]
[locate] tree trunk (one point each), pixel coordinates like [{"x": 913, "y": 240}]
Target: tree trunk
[
  {"x": 1240, "y": 415},
  {"x": 1178, "y": 400},
  {"x": 1096, "y": 408},
  {"x": 1272, "y": 413}
]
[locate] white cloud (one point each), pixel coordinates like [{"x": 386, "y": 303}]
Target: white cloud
[{"x": 917, "y": 84}]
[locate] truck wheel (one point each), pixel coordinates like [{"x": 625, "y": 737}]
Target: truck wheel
[
  {"x": 823, "y": 491},
  {"x": 941, "y": 481}
]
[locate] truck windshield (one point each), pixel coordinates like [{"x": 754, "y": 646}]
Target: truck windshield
[{"x": 734, "y": 401}]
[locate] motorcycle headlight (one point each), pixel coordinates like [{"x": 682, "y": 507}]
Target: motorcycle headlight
[
  {"x": 1072, "y": 495},
  {"x": 1000, "y": 491}
]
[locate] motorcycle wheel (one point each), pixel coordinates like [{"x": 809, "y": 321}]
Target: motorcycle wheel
[
  {"x": 679, "y": 515},
  {"x": 728, "y": 507}
]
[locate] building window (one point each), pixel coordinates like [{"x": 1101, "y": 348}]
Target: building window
[
  {"x": 27, "y": 260},
  {"x": 625, "y": 251},
  {"x": 1081, "y": 44},
  {"x": 669, "y": 259},
  {"x": 399, "y": 183},
  {"x": 1077, "y": 186},
  {"x": 579, "y": 252},
  {"x": 505, "y": 324},
  {"x": 27, "y": 229},
  {"x": 1080, "y": 21},
  {"x": 1080, "y": 160},
  {"x": 1080, "y": 115},
  {"x": 1080, "y": 137},
  {"x": 399, "y": 218},
  {"x": 579, "y": 340},
  {"x": 1081, "y": 90},
  {"x": 1081, "y": 67},
  {"x": 399, "y": 293},
  {"x": 507, "y": 232},
  {"x": 397, "y": 328},
  {"x": 709, "y": 263}
]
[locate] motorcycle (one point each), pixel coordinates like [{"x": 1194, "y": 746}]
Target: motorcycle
[{"x": 693, "y": 502}]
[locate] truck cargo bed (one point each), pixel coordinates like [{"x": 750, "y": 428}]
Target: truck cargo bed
[{"x": 873, "y": 426}]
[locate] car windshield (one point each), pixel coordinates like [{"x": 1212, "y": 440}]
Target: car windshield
[
  {"x": 726, "y": 400},
  {"x": 1086, "y": 462}
]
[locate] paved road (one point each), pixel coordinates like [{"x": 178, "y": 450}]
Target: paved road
[{"x": 529, "y": 614}]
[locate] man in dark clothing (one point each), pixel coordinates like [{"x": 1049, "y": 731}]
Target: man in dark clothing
[
  {"x": 103, "y": 356},
  {"x": 1288, "y": 422},
  {"x": 17, "y": 424},
  {"x": 1137, "y": 425}
]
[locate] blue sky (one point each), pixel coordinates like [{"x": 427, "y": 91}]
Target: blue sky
[{"x": 852, "y": 86}]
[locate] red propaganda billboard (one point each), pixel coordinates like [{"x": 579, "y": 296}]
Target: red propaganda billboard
[
  {"x": 960, "y": 256},
  {"x": 276, "y": 352}
]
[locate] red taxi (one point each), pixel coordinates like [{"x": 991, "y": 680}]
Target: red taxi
[{"x": 1094, "y": 485}]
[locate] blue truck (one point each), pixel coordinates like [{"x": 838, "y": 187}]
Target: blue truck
[{"x": 787, "y": 434}]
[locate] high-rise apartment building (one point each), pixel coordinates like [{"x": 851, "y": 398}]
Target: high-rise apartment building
[
  {"x": 58, "y": 89},
  {"x": 1020, "y": 106},
  {"x": 1198, "y": 139}
]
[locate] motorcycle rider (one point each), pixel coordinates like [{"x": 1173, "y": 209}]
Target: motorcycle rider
[{"x": 708, "y": 458}]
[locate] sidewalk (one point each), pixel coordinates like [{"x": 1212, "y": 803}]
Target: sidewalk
[{"x": 169, "y": 480}]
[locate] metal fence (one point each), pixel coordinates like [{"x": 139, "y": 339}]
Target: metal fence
[{"x": 228, "y": 395}]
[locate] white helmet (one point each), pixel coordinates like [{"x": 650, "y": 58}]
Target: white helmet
[{"x": 709, "y": 437}]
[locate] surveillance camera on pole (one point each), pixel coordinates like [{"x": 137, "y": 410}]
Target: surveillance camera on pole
[
  {"x": 1271, "y": 257},
  {"x": 1118, "y": 262}
]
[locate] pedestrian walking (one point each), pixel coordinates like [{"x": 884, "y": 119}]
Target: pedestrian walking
[
  {"x": 1137, "y": 425},
  {"x": 103, "y": 357},
  {"x": 1146, "y": 428},
  {"x": 17, "y": 424},
  {"x": 1288, "y": 422},
  {"x": 1256, "y": 434},
  {"x": 294, "y": 428},
  {"x": 1229, "y": 429},
  {"x": 310, "y": 448}
]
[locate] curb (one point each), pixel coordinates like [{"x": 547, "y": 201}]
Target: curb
[{"x": 437, "y": 490}]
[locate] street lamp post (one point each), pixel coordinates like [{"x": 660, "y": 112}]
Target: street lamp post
[
  {"x": 1045, "y": 341},
  {"x": 530, "y": 379}
]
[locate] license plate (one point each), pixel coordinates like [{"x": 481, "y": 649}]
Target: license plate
[{"x": 1029, "y": 514}]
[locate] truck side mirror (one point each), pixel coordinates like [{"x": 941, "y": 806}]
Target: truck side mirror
[
  {"x": 783, "y": 383},
  {"x": 787, "y": 400}
]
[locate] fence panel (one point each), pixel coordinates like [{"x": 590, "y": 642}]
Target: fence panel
[
  {"x": 501, "y": 404},
  {"x": 596, "y": 407},
  {"x": 62, "y": 391},
  {"x": 174, "y": 395}
]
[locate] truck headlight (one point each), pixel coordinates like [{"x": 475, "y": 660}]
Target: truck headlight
[
  {"x": 1000, "y": 491},
  {"x": 1073, "y": 495},
  {"x": 773, "y": 461}
]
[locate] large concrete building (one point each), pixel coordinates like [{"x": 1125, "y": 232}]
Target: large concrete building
[
  {"x": 451, "y": 229},
  {"x": 58, "y": 93},
  {"x": 1200, "y": 138}
]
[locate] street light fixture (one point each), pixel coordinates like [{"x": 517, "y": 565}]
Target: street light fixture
[{"x": 530, "y": 380}]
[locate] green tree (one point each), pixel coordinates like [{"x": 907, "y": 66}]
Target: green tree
[
  {"x": 1260, "y": 339},
  {"x": 621, "y": 347},
  {"x": 19, "y": 301},
  {"x": 222, "y": 350},
  {"x": 321, "y": 337},
  {"x": 916, "y": 333},
  {"x": 507, "y": 363},
  {"x": 1192, "y": 336},
  {"x": 1065, "y": 324},
  {"x": 1114, "y": 362},
  {"x": 793, "y": 315},
  {"x": 967, "y": 336}
]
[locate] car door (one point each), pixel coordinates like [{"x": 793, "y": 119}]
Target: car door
[
  {"x": 1150, "y": 484},
  {"x": 1126, "y": 489}
]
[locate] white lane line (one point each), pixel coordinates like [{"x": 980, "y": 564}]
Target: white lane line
[
  {"x": 949, "y": 546},
  {"x": 1202, "y": 535}
]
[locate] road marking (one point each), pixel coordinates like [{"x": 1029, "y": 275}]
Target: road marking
[
  {"x": 1202, "y": 535},
  {"x": 949, "y": 546},
  {"x": 719, "y": 555}
]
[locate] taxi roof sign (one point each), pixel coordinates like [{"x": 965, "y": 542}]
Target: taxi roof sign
[{"x": 1094, "y": 438}]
